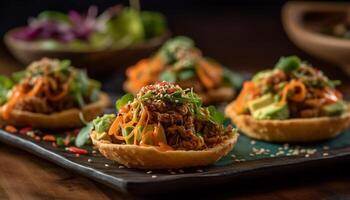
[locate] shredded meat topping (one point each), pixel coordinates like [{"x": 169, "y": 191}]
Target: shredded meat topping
[{"x": 183, "y": 130}]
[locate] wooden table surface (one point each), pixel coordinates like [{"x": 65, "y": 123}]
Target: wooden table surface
[{"x": 25, "y": 176}]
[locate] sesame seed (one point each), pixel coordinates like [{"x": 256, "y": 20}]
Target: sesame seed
[
  {"x": 325, "y": 147},
  {"x": 94, "y": 151},
  {"x": 199, "y": 170},
  {"x": 154, "y": 176},
  {"x": 149, "y": 172},
  {"x": 252, "y": 142},
  {"x": 173, "y": 173},
  {"x": 233, "y": 155},
  {"x": 181, "y": 171},
  {"x": 325, "y": 154},
  {"x": 90, "y": 160},
  {"x": 251, "y": 154},
  {"x": 121, "y": 167},
  {"x": 106, "y": 165},
  {"x": 307, "y": 155}
]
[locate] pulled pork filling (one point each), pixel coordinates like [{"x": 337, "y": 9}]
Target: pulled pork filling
[
  {"x": 49, "y": 86},
  {"x": 166, "y": 116}
]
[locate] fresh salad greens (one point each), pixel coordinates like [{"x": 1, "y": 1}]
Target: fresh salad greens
[
  {"x": 5, "y": 86},
  {"x": 116, "y": 27}
]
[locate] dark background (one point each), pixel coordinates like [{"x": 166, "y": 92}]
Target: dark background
[{"x": 245, "y": 35}]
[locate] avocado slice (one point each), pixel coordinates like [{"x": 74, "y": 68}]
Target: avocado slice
[
  {"x": 333, "y": 109},
  {"x": 272, "y": 111},
  {"x": 261, "y": 102},
  {"x": 102, "y": 136},
  {"x": 125, "y": 132}
]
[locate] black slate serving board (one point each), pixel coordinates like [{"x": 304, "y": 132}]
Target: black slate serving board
[{"x": 249, "y": 158}]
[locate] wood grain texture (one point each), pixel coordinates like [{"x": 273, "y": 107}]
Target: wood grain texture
[{"x": 24, "y": 176}]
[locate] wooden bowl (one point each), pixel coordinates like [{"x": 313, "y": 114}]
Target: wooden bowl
[
  {"x": 96, "y": 61},
  {"x": 303, "y": 22}
]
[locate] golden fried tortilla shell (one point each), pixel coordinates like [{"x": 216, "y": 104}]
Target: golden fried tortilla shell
[
  {"x": 135, "y": 156},
  {"x": 60, "y": 120},
  {"x": 290, "y": 130}
]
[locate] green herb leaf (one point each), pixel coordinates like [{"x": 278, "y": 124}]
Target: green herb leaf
[
  {"x": 288, "y": 64},
  {"x": 64, "y": 65},
  {"x": 124, "y": 100},
  {"x": 53, "y": 16},
  {"x": 186, "y": 74},
  {"x": 5, "y": 86},
  {"x": 154, "y": 23},
  {"x": 233, "y": 79},
  {"x": 168, "y": 76},
  {"x": 18, "y": 76},
  {"x": 215, "y": 116},
  {"x": 83, "y": 136}
]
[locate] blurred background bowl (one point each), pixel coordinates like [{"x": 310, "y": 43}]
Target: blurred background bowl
[
  {"x": 97, "y": 61},
  {"x": 304, "y": 23}
]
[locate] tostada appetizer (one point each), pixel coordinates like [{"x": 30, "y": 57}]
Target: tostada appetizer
[
  {"x": 163, "y": 126},
  {"x": 179, "y": 61},
  {"x": 294, "y": 102},
  {"x": 50, "y": 94}
]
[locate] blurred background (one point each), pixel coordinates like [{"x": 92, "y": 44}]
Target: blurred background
[{"x": 245, "y": 35}]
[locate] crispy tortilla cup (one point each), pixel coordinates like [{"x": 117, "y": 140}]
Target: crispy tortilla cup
[
  {"x": 290, "y": 130},
  {"x": 60, "y": 120},
  {"x": 135, "y": 156}
]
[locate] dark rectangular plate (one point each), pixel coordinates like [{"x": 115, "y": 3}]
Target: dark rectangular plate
[{"x": 239, "y": 163}]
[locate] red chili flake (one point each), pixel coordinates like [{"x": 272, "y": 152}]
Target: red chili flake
[
  {"x": 37, "y": 138},
  {"x": 24, "y": 130},
  {"x": 77, "y": 150},
  {"x": 10, "y": 129},
  {"x": 49, "y": 138}
]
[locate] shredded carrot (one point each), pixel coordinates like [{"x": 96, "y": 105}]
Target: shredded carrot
[
  {"x": 18, "y": 94},
  {"x": 114, "y": 127},
  {"x": 10, "y": 129},
  {"x": 49, "y": 138},
  {"x": 144, "y": 72},
  {"x": 11, "y": 103},
  {"x": 241, "y": 101},
  {"x": 294, "y": 86}
]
